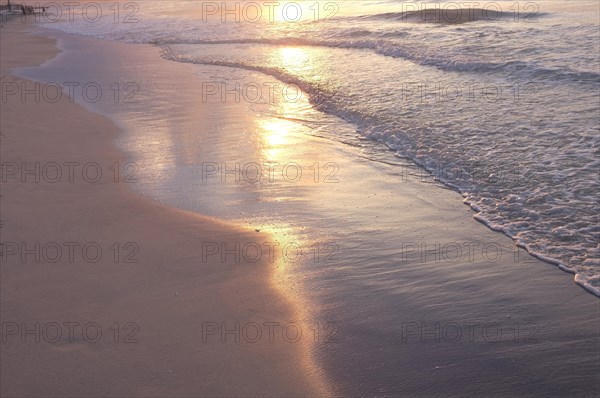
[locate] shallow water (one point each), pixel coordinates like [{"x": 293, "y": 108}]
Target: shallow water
[{"x": 504, "y": 108}]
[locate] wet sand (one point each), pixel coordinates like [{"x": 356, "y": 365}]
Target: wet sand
[{"x": 149, "y": 294}]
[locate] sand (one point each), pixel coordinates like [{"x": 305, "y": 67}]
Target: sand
[
  {"x": 561, "y": 359},
  {"x": 158, "y": 304}
]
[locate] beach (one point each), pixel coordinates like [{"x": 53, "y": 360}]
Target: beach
[
  {"x": 167, "y": 232},
  {"x": 164, "y": 293}
]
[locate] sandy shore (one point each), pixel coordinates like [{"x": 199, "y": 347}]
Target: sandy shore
[
  {"x": 149, "y": 283},
  {"x": 403, "y": 307}
]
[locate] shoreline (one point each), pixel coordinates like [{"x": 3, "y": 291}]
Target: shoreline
[
  {"x": 577, "y": 278},
  {"x": 167, "y": 307},
  {"x": 430, "y": 291}
]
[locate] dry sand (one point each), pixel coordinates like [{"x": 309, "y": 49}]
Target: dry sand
[{"x": 166, "y": 295}]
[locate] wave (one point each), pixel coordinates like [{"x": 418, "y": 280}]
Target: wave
[
  {"x": 441, "y": 16},
  {"x": 424, "y": 57},
  {"x": 322, "y": 96},
  {"x": 444, "y": 15}
]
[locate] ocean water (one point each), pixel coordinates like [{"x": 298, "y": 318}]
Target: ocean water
[{"x": 503, "y": 108}]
